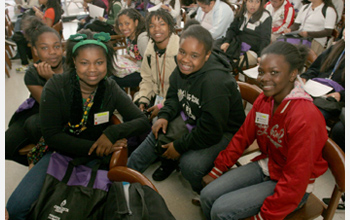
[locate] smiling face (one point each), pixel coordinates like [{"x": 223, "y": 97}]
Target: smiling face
[
  {"x": 191, "y": 56},
  {"x": 49, "y": 49},
  {"x": 275, "y": 78},
  {"x": 127, "y": 26},
  {"x": 253, "y": 6},
  {"x": 159, "y": 32},
  {"x": 91, "y": 66}
]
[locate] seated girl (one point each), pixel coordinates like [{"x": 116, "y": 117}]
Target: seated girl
[
  {"x": 290, "y": 133},
  {"x": 329, "y": 69},
  {"x": 200, "y": 83},
  {"x": 24, "y": 126},
  {"x": 173, "y": 7},
  {"x": 316, "y": 20},
  {"x": 105, "y": 24},
  {"x": 69, "y": 109},
  {"x": 252, "y": 25},
  {"x": 131, "y": 24},
  {"x": 158, "y": 62}
]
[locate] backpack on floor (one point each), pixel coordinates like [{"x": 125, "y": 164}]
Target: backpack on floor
[{"x": 135, "y": 202}]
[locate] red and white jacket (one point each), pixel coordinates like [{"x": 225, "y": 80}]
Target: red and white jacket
[
  {"x": 283, "y": 18},
  {"x": 292, "y": 138}
]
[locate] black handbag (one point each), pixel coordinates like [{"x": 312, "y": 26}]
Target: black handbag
[
  {"x": 176, "y": 128},
  {"x": 71, "y": 190},
  {"x": 329, "y": 104}
]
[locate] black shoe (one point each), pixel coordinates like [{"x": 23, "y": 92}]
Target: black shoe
[
  {"x": 15, "y": 57},
  {"x": 341, "y": 206},
  {"x": 162, "y": 173}
]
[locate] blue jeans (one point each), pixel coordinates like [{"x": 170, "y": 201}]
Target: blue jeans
[
  {"x": 28, "y": 190},
  {"x": 194, "y": 164},
  {"x": 238, "y": 194}
]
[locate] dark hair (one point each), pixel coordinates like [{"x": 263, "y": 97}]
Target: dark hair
[
  {"x": 190, "y": 22},
  {"x": 256, "y": 16},
  {"x": 294, "y": 55},
  {"x": 336, "y": 50},
  {"x": 70, "y": 55},
  {"x": 33, "y": 27},
  {"x": 133, "y": 14},
  {"x": 207, "y": 2},
  {"x": 76, "y": 110},
  {"x": 201, "y": 34},
  {"x": 329, "y": 3},
  {"x": 163, "y": 14},
  {"x": 56, "y": 5}
]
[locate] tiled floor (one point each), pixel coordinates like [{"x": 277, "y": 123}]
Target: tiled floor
[{"x": 175, "y": 190}]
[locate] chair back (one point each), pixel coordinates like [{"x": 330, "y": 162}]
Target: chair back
[
  {"x": 335, "y": 157},
  {"x": 59, "y": 28},
  {"x": 314, "y": 207},
  {"x": 126, "y": 174},
  {"x": 249, "y": 92},
  {"x": 8, "y": 24},
  {"x": 118, "y": 42}
]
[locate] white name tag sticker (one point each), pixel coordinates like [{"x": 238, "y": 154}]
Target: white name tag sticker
[
  {"x": 100, "y": 118},
  {"x": 261, "y": 118},
  {"x": 251, "y": 26}
]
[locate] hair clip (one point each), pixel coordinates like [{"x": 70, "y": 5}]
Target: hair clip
[
  {"x": 82, "y": 38},
  {"x": 77, "y": 37},
  {"x": 102, "y": 36}
]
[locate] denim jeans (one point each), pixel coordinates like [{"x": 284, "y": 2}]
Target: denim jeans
[
  {"x": 238, "y": 194},
  {"x": 28, "y": 190},
  {"x": 194, "y": 164}
]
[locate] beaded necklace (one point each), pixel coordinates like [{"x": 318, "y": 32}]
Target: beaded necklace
[{"x": 78, "y": 128}]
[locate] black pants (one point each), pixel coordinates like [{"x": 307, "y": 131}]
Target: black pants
[{"x": 24, "y": 129}]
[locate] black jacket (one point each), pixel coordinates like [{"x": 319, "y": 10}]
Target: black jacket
[{"x": 209, "y": 97}]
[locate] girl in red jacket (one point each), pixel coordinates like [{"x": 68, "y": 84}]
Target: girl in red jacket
[{"x": 290, "y": 132}]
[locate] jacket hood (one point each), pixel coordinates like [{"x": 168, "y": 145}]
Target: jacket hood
[
  {"x": 298, "y": 92},
  {"x": 216, "y": 61}
]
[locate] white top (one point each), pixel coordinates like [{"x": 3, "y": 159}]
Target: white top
[
  {"x": 175, "y": 12},
  {"x": 313, "y": 20},
  {"x": 218, "y": 20}
]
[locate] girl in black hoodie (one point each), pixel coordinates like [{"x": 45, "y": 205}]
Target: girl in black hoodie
[{"x": 202, "y": 88}]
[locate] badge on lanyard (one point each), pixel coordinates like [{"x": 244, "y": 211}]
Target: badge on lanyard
[
  {"x": 159, "y": 100},
  {"x": 261, "y": 118},
  {"x": 100, "y": 118}
]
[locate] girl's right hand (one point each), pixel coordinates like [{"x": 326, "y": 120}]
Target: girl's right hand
[
  {"x": 159, "y": 124},
  {"x": 44, "y": 70},
  {"x": 142, "y": 107},
  {"x": 206, "y": 180},
  {"x": 224, "y": 46},
  {"x": 288, "y": 30}
]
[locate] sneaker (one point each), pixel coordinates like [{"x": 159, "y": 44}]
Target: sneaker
[
  {"x": 10, "y": 42},
  {"x": 341, "y": 205},
  {"x": 196, "y": 200},
  {"x": 162, "y": 173},
  {"x": 22, "y": 69}
]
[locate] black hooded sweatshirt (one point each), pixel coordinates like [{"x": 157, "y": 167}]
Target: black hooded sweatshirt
[{"x": 211, "y": 100}]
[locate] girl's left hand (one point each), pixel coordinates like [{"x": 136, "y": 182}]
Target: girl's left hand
[
  {"x": 154, "y": 111},
  {"x": 103, "y": 146},
  {"x": 303, "y": 33},
  {"x": 166, "y": 8},
  {"x": 44, "y": 70},
  {"x": 335, "y": 95},
  {"x": 170, "y": 153},
  {"x": 101, "y": 18}
]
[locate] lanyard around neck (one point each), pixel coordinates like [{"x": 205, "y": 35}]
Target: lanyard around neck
[
  {"x": 160, "y": 78},
  {"x": 337, "y": 64}
]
